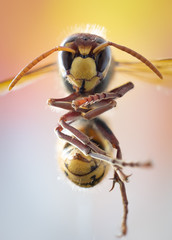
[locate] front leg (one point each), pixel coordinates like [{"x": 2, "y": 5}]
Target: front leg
[
  {"x": 65, "y": 103},
  {"x": 101, "y": 107},
  {"x": 98, "y": 97}
]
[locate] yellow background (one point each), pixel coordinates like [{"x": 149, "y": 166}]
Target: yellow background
[{"x": 34, "y": 204}]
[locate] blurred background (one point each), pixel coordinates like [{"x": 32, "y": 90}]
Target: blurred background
[{"x": 36, "y": 202}]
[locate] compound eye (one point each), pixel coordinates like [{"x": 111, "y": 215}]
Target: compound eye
[
  {"x": 67, "y": 60},
  {"x": 102, "y": 59}
]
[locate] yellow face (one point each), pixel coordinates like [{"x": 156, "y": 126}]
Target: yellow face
[{"x": 84, "y": 69}]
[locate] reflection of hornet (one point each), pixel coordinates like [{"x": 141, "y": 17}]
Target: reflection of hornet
[{"x": 86, "y": 169}]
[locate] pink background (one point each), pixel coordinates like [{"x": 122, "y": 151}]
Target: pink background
[{"x": 33, "y": 203}]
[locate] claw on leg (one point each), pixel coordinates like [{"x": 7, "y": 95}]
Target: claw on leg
[
  {"x": 113, "y": 181},
  {"x": 98, "y": 97}
]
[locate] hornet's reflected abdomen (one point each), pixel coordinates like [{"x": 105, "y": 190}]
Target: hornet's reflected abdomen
[{"x": 82, "y": 170}]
